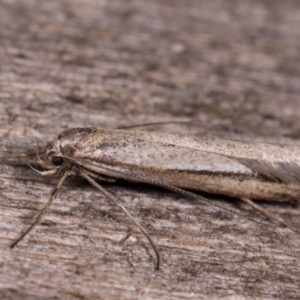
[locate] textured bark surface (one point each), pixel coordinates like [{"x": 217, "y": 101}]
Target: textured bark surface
[{"x": 230, "y": 68}]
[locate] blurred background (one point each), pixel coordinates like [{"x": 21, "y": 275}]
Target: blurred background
[{"x": 231, "y": 67}]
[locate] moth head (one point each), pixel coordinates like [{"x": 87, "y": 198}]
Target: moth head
[{"x": 54, "y": 155}]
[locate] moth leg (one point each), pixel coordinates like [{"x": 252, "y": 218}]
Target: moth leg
[
  {"x": 101, "y": 177},
  {"x": 40, "y": 162},
  {"x": 104, "y": 178},
  {"x": 48, "y": 203},
  {"x": 43, "y": 164},
  {"x": 116, "y": 202},
  {"x": 44, "y": 173},
  {"x": 268, "y": 214},
  {"x": 122, "y": 242}
]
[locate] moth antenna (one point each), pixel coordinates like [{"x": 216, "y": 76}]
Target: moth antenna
[
  {"x": 190, "y": 195},
  {"x": 5, "y": 157},
  {"x": 269, "y": 215},
  {"x": 116, "y": 202},
  {"x": 39, "y": 216},
  {"x": 153, "y": 124},
  {"x": 248, "y": 201}
]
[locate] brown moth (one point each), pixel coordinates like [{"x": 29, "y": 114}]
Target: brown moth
[{"x": 237, "y": 169}]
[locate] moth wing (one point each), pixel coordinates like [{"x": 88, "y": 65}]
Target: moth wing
[
  {"x": 133, "y": 150},
  {"x": 285, "y": 172},
  {"x": 158, "y": 155}
]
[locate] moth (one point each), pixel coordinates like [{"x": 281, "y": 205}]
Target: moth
[{"x": 245, "y": 170}]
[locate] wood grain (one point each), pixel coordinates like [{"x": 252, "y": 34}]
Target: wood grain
[{"x": 229, "y": 67}]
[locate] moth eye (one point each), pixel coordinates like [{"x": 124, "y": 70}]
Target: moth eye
[{"x": 57, "y": 160}]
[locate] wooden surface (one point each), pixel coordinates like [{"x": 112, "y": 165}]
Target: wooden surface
[{"x": 229, "y": 67}]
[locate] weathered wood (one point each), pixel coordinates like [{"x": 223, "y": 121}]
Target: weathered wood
[{"x": 231, "y": 67}]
